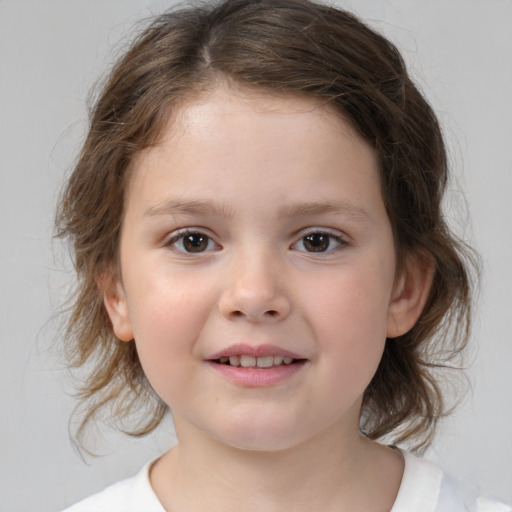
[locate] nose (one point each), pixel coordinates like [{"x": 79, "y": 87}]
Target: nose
[{"x": 254, "y": 290}]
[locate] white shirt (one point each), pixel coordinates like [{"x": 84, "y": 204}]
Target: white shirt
[{"x": 424, "y": 488}]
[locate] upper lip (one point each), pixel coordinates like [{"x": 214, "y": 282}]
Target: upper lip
[{"x": 265, "y": 350}]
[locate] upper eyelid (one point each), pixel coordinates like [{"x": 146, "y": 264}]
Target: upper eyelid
[
  {"x": 336, "y": 233},
  {"x": 297, "y": 236},
  {"x": 175, "y": 235},
  {"x": 341, "y": 239}
]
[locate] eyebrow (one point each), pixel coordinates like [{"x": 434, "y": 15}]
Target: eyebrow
[
  {"x": 347, "y": 208},
  {"x": 207, "y": 207},
  {"x": 187, "y": 207}
]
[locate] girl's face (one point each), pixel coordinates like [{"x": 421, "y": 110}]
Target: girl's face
[{"x": 258, "y": 270}]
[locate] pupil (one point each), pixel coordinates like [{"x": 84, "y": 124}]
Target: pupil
[
  {"x": 316, "y": 242},
  {"x": 195, "y": 242}
]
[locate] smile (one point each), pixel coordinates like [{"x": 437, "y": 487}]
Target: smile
[
  {"x": 256, "y": 366},
  {"x": 247, "y": 361}
]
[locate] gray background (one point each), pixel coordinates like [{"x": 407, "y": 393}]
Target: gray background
[{"x": 51, "y": 52}]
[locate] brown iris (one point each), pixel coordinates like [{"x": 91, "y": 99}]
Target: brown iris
[
  {"x": 317, "y": 242},
  {"x": 195, "y": 242}
]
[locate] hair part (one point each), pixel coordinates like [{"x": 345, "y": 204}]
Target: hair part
[{"x": 281, "y": 47}]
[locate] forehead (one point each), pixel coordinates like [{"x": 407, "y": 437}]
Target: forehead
[
  {"x": 253, "y": 109},
  {"x": 240, "y": 141}
]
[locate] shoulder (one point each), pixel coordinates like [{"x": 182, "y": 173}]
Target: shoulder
[
  {"x": 427, "y": 488},
  {"x": 131, "y": 495}
]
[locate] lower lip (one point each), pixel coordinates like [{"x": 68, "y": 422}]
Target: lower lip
[{"x": 257, "y": 377}]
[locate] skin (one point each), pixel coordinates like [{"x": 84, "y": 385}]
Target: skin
[{"x": 255, "y": 175}]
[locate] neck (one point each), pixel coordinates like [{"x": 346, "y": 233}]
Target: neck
[{"x": 331, "y": 472}]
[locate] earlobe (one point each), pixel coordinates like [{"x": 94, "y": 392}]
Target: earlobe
[
  {"x": 410, "y": 295},
  {"x": 114, "y": 298}
]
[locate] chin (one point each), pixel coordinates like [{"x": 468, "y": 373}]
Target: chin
[
  {"x": 260, "y": 438},
  {"x": 261, "y": 445}
]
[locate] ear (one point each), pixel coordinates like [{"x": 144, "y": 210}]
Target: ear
[
  {"x": 409, "y": 295},
  {"x": 114, "y": 298}
]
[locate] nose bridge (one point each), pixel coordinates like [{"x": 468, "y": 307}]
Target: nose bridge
[{"x": 254, "y": 288}]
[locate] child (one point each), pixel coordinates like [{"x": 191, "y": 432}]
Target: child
[{"x": 256, "y": 224}]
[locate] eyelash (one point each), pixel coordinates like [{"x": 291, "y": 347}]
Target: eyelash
[
  {"x": 336, "y": 237},
  {"x": 181, "y": 237}
]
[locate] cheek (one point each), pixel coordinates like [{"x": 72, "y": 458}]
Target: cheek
[
  {"x": 348, "y": 315},
  {"x": 167, "y": 320},
  {"x": 350, "y": 302},
  {"x": 165, "y": 303}
]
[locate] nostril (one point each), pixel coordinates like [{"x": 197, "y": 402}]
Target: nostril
[{"x": 271, "y": 313}]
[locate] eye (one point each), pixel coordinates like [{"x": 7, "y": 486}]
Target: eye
[
  {"x": 318, "y": 242},
  {"x": 192, "y": 242}
]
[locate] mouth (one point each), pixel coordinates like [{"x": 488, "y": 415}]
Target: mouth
[
  {"x": 248, "y": 361},
  {"x": 260, "y": 366},
  {"x": 261, "y": 357}
]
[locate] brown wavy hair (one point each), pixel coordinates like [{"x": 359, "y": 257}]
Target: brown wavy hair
[{"x": 287, "y": 47}]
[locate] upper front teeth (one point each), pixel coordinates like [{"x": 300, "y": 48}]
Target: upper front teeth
[{"x": 256, "y": 362}]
